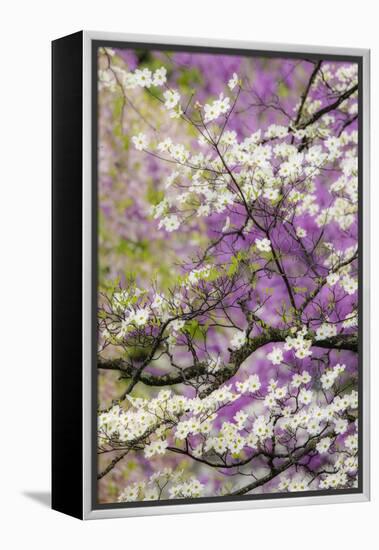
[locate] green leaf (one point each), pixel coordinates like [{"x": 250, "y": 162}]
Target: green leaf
[
  {"x": 283, "y": 89},
  {"x": 193, "y": 328},
  {"x": 153, "y": 195},
  {"x": 213, "y": 274},
  {"x": 233, "y": 267},
  {"x": 266, "y": 255}
]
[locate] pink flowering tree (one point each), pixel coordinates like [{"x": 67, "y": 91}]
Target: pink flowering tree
[{"x": 233, "y": 341}]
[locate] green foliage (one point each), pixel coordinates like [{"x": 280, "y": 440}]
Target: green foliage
[
  {"x": 125, "y": 141},
  {"x": 283, "y": 89},
  {"x": 117, "y": 114},
  {"x": 235, "y": 262},
  {"x": 189, "y": 79},
  {"x": 129, "y": 248},
  {"x": 138, "y": 354},
  {"x": 266, "y": 256},
  {"x": 153, "y": 195},
  {"x": 113, "y": 489},
  {"x": 124, "y": 204},
  {"x": 193, "y": 328},
  {"x": 233, "y": 267},
  {"x": 130, "y": 466},
  {"x": 300, "y": 289},
  {"x": 214, "y": 274}
]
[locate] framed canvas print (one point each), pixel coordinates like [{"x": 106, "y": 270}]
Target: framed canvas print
[{"x": 210, "y": 275}]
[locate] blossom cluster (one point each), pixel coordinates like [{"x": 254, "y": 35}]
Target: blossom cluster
[
  {"x": 143, "y": 78},
  {"x": 258, "y": 171},
  {"x": 163, "y": 484},
  {"x": 291, "y": 415}
]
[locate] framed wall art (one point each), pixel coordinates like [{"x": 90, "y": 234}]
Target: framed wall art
[{"x": 210, "y": 275}]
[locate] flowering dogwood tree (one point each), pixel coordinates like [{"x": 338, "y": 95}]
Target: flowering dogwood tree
[{"x": 237, "y": 371}]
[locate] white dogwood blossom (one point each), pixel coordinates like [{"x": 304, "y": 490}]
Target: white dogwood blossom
[
  {"x": 325, "y": 330},
  {"x": 323, "y": 445},
  {"x": 232, "y": 83},
  {"x": 140, "y": 141},
  {"x": 216, "y": 108},
  {"x": 160, "y": 76},
  {"x": 275, "y": 356},
  {"x": 170, "y": 223},
  {"x": 263, "y": 245},
  {"x": 143, "y": 77},
  {"x": 238, "y": 340},
  {"x": 172, "y": 98}
]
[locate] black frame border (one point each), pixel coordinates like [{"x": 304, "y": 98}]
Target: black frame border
[{"x": 67, "y": 285}]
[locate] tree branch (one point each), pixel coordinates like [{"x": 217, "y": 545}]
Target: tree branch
[
  {"x": 280, "y": 469},
  {"x": 328, "y": 108},
  {"x": 347, "y": 342}
]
